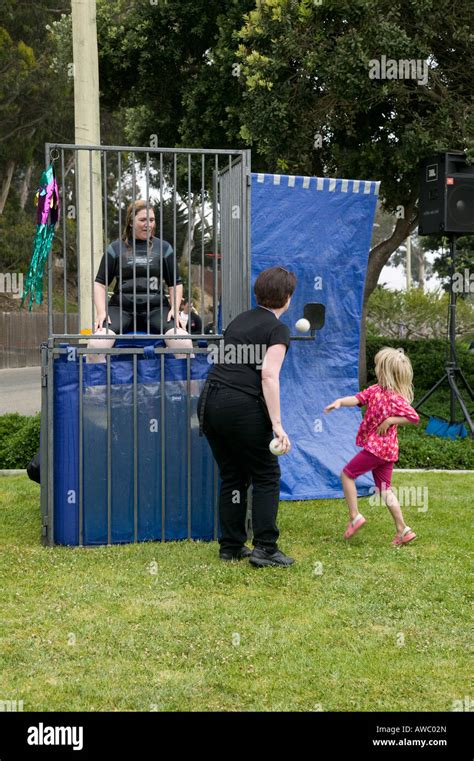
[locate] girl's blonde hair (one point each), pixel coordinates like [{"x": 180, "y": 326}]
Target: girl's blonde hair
[
  {"x": 132, "y": 210},
  {"x": 394, "y": 371}
]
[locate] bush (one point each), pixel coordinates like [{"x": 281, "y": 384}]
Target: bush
[
  {"x": 19, "y": 440},
  {"x": 427, "y": 356},
  {"x": 419, "y": 450},
  {"x": 416, "y": 314}
]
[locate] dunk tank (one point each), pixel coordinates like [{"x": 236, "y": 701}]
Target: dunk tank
[{"x": 121, "y": 456}]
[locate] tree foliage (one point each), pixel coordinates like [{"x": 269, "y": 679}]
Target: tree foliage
[
  {"x": 291, "y": 79},
  {"x": 416, "y": 315}
]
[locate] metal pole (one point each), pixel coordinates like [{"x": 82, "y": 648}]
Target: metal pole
[
  {"x": 161, "y": 241},
  {"x": 44, "y": 450},
  {"x": 134, "y": 198},
  {"x": 81, "y": 450},
  {"x": 47, "y": 150},
  {"x": 81, "y": 317},
  {"x": 190, "y": 232},
  {"x": 91, "y": 212},
  {"x": 163, "y": 458},
  {"x": 175, "y": 196},
  {"x": 203, "y": 170},
  {"x": 106, "y": 246},
  {"x": 135, "y": 451},
  {"x": 63, "y": 197},
  {"x": 189, "y": 453},
  {"x": 109, "y": 454},
  {"x": 452, "y": 324},
  {"x": 231, "y": 250},
  {"x": 147, "y": 175},
  {"x": 215, "y": 224},
  {"x": 144, "y": 149},
  {"x": 50, "y": 474},
  {"x": 246, "y": 227},
  {"x": 119, "y": 170}
]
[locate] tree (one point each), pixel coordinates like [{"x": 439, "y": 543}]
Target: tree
[
  {"x": 306, "y": 70},
  {"x": 298, "y": 81},
  {"x": 154, "y": 56},
  {"x": 464, "y": 258},
  {"x": 415, "y": 315},
  {"x": 421, "y": 268},
  {"x": 33, "y": 97}
]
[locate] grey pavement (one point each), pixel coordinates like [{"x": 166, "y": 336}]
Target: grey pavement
[{"x": 20, "y": 390}]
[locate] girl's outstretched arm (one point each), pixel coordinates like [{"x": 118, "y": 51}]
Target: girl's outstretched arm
[{"x": 345, "y": 401}]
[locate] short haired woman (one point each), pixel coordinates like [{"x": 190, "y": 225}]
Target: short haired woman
[{"x": 239, "y": 411}]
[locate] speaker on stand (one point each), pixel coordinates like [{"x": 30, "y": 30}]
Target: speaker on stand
[{"x": 447, "y": 208}]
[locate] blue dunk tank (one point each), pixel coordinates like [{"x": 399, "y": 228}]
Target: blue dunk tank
[
  {"x": 121, "y": 456},
  {"x": 142, "y": 472}
]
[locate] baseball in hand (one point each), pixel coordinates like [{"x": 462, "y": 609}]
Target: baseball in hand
[
  {"x": 303, "y": 325},
  {"x": 275, "y": 447}
]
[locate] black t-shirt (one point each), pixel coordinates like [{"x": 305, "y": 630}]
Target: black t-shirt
[
  {"x": 144, "y": 264},
  {"x": 194, "y": 323},
  {"x": 239, "y": 357}
]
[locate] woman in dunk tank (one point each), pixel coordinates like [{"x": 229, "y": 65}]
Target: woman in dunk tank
[{"x": 139, "y": 263}]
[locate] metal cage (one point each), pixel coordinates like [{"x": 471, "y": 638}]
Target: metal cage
[{"x": 203, "y": 201}]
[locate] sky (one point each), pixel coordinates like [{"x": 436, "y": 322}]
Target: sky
[{"x": 394, "y": 278}]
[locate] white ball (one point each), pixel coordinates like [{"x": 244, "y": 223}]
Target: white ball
[
  {"x": 303, "y": 325},
  {"x": 274, "y": 447}
]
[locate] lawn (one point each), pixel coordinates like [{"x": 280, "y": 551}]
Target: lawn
[{"x": 350, "y": 627}]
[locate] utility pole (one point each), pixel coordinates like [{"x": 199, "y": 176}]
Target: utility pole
[{"x": 88, "y": 167}]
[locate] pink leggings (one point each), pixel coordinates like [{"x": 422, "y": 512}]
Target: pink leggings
[{"x": 365, "y": 461}]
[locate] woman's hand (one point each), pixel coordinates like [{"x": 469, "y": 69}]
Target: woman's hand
[
  {"x": 283, "y": 440},
  {"x": 99, "y": 320},
  {"x": 177, "y": 320},
  {"x": 333, "y": 406},
  {"x": 384, "y": 426}
]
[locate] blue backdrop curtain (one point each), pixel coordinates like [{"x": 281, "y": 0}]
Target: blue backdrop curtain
[{"x": 320, "y": 228}]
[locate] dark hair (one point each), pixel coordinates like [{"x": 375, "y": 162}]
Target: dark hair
[{"x": 273, "y": 286}]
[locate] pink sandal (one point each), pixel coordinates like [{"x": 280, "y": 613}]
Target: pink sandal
[
  {"x": 406, "y": 536},
  {"x": 353, "y": 526}
]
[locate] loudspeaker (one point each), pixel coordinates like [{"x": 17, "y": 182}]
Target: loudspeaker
[{"x": 446, "y": 195}]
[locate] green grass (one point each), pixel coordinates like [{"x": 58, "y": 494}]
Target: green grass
[{"x": 379, "y": 628}]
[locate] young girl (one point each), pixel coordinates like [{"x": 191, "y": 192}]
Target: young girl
[{"x": 388, "y": 405}]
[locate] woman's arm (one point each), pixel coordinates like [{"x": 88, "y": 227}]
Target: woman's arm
[
  {"x": 345, "y": 401},
  {"x": 271, "y": 367},
  {"x": 179, "y": 297},
  {"x": 100, "y": 299},
  {"x": 104, "y": 276}
]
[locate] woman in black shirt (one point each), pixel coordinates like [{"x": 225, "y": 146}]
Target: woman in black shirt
[
  {"x": 239, "y": 411},
  {"x": 136, "y": 263}
]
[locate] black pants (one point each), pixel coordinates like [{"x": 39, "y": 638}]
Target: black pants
[
  {"x": 156, "y": 326},
  {"x": 239, "y": 430}
]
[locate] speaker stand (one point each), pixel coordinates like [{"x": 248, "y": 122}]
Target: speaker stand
[{"x": 453, "y": 372}]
